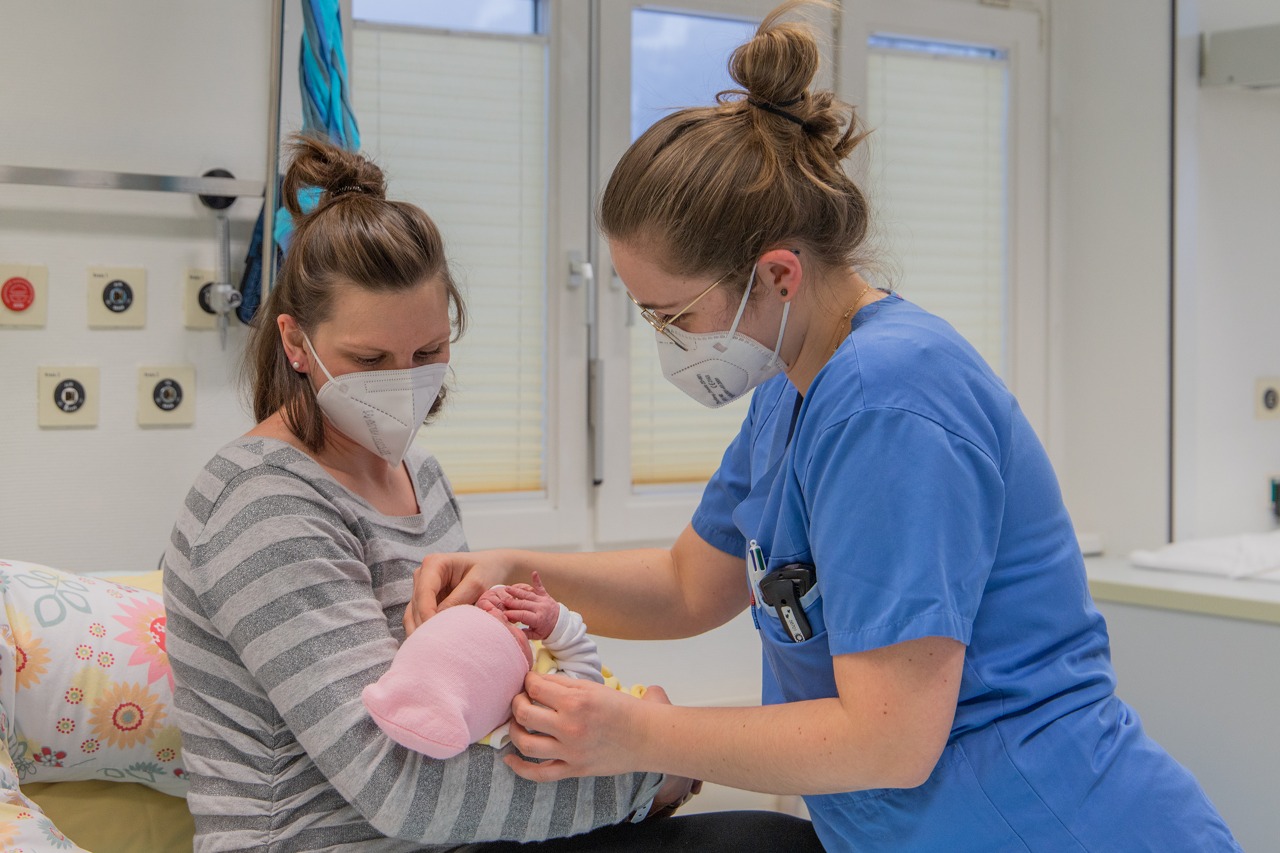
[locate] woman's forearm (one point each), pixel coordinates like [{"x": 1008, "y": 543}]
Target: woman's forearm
[
  {"x": 628, "y": 594},
  {"x": 645, "y": 594},
  {"x": 885, "y": 729}
]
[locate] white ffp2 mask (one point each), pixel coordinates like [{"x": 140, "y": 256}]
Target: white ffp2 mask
[
  {"x": 719, "y": 367},
  {"x": 380, "y": 410}
]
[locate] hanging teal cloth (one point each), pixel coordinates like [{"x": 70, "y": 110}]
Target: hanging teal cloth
[
  {"x": 326, "y": 109},
  {"x": 322, "y": 73},
  {"x": 322, "y": 77}
]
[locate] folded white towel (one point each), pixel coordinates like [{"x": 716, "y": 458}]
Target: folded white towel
[{"x": 1249, "y": 555}]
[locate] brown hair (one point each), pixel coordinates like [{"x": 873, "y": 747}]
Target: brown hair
[
  {"x": 713, "y": 188},
  {"x": 354, "y": 237}
]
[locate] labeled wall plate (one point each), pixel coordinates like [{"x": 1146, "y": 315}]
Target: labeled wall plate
[
  {"x": 68, "y": 396},
  {"x": 1266, "y": 398},
  {"x": 24, "y": 295},
  {"x": 167, "y": 395},
  {"x": 196, "y": 310},
  {"x": 117, "y": 297}
]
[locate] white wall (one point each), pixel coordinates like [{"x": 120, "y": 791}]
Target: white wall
[
  {"x": 176, "y": 88},
  {"x": 1109, "y": 260},
  {"x": 1228, "y": 300}
]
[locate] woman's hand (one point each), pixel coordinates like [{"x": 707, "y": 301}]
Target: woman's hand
[
  {"x": 444, "y": 580},
  {"x": 581, "y": 728}
]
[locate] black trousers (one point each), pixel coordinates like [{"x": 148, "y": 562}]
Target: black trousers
[{"x": 712, "y": 832}]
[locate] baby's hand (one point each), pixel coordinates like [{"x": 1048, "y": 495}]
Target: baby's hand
[{"x": 533, "y": 606}]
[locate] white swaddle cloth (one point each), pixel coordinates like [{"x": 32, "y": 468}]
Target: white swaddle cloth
[{"x": 1249, "y": 555}]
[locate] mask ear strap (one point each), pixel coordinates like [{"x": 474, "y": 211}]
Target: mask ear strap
[
  {"x": 786, "y": 309},
  {"x": 742, "y": 306},
  {"x": 312, "y": 347},
  {"x": 782, "y": 329}
]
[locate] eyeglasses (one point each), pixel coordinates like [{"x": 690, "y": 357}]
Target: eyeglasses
[{"x": 661, "y": 325}]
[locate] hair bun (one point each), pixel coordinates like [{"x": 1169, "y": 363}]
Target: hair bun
[
  {"x": 316, "y": 162},
  {"x": 777, "y": 65}
]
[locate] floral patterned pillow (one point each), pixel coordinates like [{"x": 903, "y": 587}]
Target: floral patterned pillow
[
  {"x": 85, "y": 681},
  {"x": 23, "y": 826}
]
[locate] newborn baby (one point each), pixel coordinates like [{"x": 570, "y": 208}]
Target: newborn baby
[{"x": 452, "y": 681}]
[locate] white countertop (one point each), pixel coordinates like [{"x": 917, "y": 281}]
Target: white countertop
[{"x": 1116, "y": 579}]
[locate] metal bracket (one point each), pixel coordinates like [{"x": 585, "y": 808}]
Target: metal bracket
[{"x": 580, "y": 270}]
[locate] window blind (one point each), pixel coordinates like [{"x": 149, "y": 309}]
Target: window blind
[
  {"x": 676, "y": 58},
  {"x": 939, "y": 182},
  {"x": 459, "y": 124}
]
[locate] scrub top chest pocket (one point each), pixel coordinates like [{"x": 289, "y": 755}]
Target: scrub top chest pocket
[
  {"x": 793, "y": 638},
  {"x": 785, "y": 591},
  {"x": 789, "y": 594}
]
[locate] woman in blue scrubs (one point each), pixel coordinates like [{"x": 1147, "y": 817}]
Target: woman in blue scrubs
[{"x": 936, "y": 677}]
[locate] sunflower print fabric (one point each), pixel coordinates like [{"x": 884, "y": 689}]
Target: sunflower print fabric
[{"x": 84, "y": 680}]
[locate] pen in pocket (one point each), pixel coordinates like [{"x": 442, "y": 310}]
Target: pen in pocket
[{"x": 755, "y": 569}]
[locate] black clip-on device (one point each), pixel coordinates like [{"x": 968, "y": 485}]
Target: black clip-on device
[{"x": 782, "y": 590}]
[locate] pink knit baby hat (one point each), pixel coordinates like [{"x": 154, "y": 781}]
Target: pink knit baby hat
[{"x": 450, "y": 683}]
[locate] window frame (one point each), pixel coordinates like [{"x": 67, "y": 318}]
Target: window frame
[
  {"x": 589, "y": 104},
  {"x": 558, "y": 515},
  {"x": 1021, "y": 31},
  {"x": 625, "y": 515}
]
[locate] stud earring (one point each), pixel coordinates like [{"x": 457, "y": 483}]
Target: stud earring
[
  {"x": 297, "y": 365},
  {"x": 784, "y": 291}
]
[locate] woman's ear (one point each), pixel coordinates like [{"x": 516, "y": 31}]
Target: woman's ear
[
  {"x": 291, "y": 338},
  {"x": 781, "y": 271}
]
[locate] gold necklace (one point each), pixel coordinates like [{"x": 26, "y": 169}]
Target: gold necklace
[{"x": 844, "y": 321}]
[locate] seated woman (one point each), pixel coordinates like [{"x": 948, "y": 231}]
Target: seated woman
[{"x": 292, "y": 561}]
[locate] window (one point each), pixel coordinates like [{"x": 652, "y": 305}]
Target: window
[
  {"x": 659, "y": 446},
  {"x": 504, "y": 120},
  {"x": 955, "y": 93},
  {"x": 678, "y": 59},
  {"x": 514, "y": 17},
  {"x": 939, "y": 178},
  {"x": 459, "y": 123}
]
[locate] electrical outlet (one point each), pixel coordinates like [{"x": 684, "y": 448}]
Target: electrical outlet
[
  {"x": 197, "y": 311},
  {"x": 167, "y": 395},
  {"x": 1266, "y": 398},
  {"x": 68, "y": 396},
  {"x": 117, "y": 297},
  {"x": 24, "y": 295}
]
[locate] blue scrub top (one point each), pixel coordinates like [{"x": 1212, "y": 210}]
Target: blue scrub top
[{"x": 911, "y": 480}]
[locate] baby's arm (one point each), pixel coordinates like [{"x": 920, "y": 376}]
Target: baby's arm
[
  {"x": 561, "y": 630},
  {"x": 575, "y": 652}
]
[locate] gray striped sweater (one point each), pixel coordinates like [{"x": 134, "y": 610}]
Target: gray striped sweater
[{"x": 284, "y": 593}]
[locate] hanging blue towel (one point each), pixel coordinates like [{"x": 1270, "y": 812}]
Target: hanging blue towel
[
  {"x": 326, "y": 108},
  {"x": 322, "y": 73},
  {"x": 308, "y": 198},
  {"x": 251, "y": 280}
]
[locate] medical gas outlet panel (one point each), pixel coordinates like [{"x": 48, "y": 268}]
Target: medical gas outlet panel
[{"x": 69, "y": 395}]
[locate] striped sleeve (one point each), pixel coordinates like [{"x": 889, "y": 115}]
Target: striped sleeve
[{"x": 283, "y": 582}]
